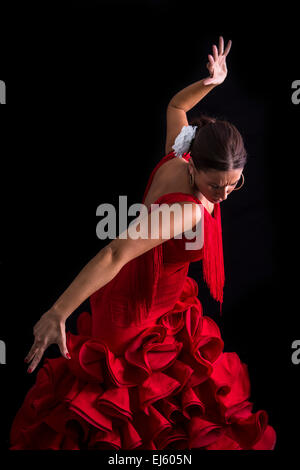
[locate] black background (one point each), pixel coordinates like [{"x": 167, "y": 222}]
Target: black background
[{"x": 87, "y": 90}]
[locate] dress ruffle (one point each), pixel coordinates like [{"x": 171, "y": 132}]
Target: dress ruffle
[{"x": 174, "y": 387}]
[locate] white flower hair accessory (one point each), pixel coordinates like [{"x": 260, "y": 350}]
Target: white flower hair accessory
[{"x": 183, "y": 140}]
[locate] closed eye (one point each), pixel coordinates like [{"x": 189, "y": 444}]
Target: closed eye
[{"x": 218, "y": 187}]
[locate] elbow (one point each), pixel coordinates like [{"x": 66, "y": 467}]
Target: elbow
[
  {"x": 115, "y": 256},
  {"x": 172, "y": 104}
]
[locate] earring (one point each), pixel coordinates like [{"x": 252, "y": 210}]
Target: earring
[
  {"x": 192, "y": 177},
  {"x": 236, "y": 189}
]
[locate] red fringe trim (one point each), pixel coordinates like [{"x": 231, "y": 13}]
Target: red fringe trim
[{"x": 213, "y": 261}]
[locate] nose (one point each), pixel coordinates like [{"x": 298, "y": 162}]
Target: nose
[{"x": 223, "y": 193}]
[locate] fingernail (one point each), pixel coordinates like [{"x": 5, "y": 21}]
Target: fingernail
[
  {"x": 29, "y": 370},
  {"x": 68, "y": 355}
]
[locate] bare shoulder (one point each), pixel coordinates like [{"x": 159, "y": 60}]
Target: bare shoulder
[{"x": 169, "y": 177}]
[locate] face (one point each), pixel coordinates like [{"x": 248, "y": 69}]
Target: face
[{"x": 215, "y": 185}]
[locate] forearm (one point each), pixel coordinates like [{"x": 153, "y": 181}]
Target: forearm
[
  {"x": 95, "y": 274},
  {"x": 187, "y": 98}
]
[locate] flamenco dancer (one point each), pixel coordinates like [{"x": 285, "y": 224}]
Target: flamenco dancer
[{"x": 146, "y": 369}]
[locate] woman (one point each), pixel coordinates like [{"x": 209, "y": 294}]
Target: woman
[{"x": 146, "y": 370}]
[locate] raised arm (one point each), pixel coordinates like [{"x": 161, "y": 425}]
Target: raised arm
[{"x": 187, "y": 98}]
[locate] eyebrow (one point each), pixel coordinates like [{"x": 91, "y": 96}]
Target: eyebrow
[{"x": 215, "y": 184}]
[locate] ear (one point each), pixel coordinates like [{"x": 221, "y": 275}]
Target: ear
[{"x": 191, "y": 163}]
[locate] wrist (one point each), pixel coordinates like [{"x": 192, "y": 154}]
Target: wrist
[
  {"x": 209, "y": 86},
  {"x": 59, "y": 311}
]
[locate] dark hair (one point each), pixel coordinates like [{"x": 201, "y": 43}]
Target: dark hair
[{"x": 217, "y": 145}]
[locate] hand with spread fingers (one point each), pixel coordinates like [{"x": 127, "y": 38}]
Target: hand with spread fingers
[
  {"x": 50, "y": 329},
  {"x": 217, "y": 63}
]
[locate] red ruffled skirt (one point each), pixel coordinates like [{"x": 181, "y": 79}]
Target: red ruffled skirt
[{"x": 173, "y": 388}]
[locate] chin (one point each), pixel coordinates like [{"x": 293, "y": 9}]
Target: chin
[{"x": 214, "y": 201}]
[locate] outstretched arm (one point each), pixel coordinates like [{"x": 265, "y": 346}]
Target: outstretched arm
[
  {"x": 154, "y": 230},
  {"x": 187, "y": 98}
]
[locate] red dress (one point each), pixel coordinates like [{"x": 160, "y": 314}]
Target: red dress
[{"x": 159, "y": 382}]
